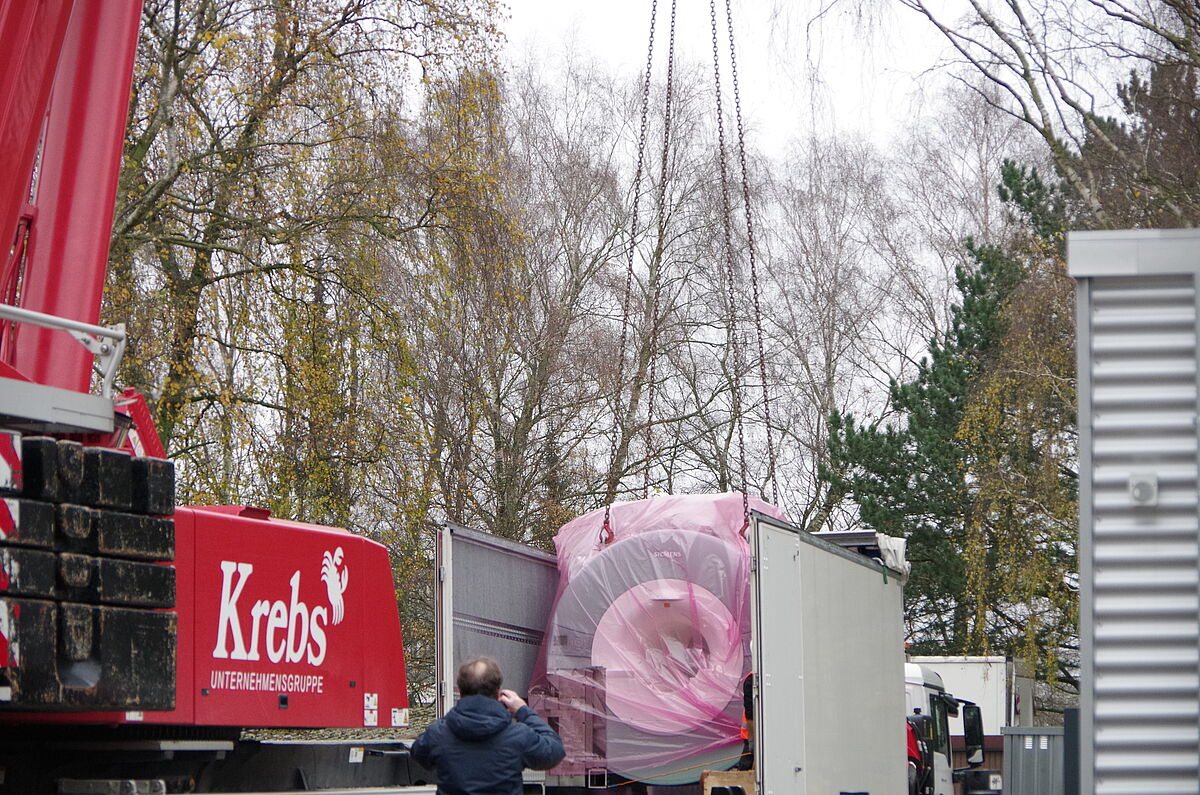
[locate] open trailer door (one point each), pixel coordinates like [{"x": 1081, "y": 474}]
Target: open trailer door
[
  {"x": 497, "y": 605},
  {"x": 828, "y": 651},
  {"x": 779, "y": 674}
]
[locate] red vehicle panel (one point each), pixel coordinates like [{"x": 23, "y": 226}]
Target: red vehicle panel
[
  {"x": 280, "y": 624},
  {"x": 282, "y": 640},
  {"x": 91, "y": 62},
  {"x": 32, "y": 34}
]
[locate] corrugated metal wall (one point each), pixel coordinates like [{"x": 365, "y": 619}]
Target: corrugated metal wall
[{"x": 1139, "y": 562}]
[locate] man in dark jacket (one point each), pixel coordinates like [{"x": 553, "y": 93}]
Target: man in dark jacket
[{"x": 478, "y": 748}]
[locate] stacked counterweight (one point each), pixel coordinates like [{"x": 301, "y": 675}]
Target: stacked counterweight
[{"x": 86, "y": 585}]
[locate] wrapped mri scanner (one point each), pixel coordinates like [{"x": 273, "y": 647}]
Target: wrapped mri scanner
[{"x": 648, "y": 641}]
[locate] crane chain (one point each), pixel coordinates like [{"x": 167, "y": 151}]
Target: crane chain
[
  {"x": 731, "y": 271},
  {"x": 659, "y": 255},
  {"x": 614, "y": 476},
  {"x": 653, "y": 308},
  {"x": 751, "y": 250}
]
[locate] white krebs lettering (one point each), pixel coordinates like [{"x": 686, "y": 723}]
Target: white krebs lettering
[
  {"x": 276, "y": 620},
  {"x": 290, "y": 631},
  {"x": 228, "y": 617},
  {"x": 297, "y": 634},
  {"x": 257, "y": 612},
  {"x": 266, "y": 681},
  {"x": 320, "y": 616}
]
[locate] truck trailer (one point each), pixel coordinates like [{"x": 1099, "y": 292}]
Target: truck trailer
[
  {"x": 823, "y": 634},
  {"x": 1001, "y": 686}
]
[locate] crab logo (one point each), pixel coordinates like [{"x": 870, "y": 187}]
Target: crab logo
[{"x": 335, "y": 578}]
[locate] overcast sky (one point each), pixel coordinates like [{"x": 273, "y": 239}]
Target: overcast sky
[{"x": 842, "y": 72}]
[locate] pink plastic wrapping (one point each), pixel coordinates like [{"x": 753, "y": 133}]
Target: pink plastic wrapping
[{"x": 649, "y": 638}]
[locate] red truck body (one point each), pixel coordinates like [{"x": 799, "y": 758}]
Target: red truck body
[{"x": 281, "y": 624}]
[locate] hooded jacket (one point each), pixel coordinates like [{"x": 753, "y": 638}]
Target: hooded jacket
[{"x": 480, "y": 749}]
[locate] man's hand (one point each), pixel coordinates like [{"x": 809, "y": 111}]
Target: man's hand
[{"x": 511, "y": 701}]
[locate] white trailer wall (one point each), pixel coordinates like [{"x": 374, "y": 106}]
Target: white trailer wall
[
  {"x": 1140, "y": 604},
  {"x": 1001, "y": 686},
  {"x": 829, "y": 652}
]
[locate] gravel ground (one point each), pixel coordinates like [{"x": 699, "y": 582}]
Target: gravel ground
[{"x": 419, "y": 718}]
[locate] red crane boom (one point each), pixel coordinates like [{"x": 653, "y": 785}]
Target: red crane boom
[{"x": 60, "y": 239}]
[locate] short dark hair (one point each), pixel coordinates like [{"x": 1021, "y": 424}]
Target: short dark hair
[{"x": 480, "y": 676}]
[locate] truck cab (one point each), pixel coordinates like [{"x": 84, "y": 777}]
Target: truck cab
[
  {"x": 929, "y": 709},
  {"x": 925, "y": 695}
]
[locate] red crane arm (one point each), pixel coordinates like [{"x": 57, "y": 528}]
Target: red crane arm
[{"x": 66, "y": 252}]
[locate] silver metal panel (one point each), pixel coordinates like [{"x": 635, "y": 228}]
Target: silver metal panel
[
  {"x": 828, "y": 650},
  {"x": 1033, "y": 760},
  {"x": 45, "y": 409},
  {"x": 1085, "y": 347},
  {"x": 1144, "y": 252},
  {"x": 498, "y": 610},
  {"x": 1139, "y": 550}
]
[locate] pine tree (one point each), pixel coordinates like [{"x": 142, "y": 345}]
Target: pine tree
[
  {"x": 1147, "y": 167},
  {"x": 973, "y": 469},
  {"x": 909, "y": 479}
]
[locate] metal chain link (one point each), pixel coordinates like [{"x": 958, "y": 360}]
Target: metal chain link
[
  {"x": 659, "y": 255},
  {"x": 654, "y": 308},
  {"x": 752, "y": 251},
  {"x": 614, "y": 476},
  {"x": 731, "y": 272}
]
